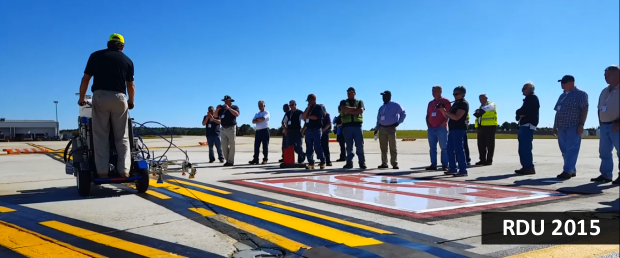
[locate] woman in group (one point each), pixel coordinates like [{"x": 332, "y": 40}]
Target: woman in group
[{"x": 457, "y": 127}]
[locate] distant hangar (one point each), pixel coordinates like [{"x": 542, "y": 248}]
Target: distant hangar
[{"x": 25, "y": 130}]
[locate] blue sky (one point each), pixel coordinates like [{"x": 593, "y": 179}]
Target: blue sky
[{"x": 189, "y": 54}]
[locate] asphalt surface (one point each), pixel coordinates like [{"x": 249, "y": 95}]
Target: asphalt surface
[{"x": 226, "y": 211}]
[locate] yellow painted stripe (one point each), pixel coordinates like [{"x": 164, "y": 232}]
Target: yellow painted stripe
[
  {"x": 31, "y": 244},
  {"x": 199, "y": 186},
  {"x": 583, "y": 250},
  {"x": 151, "y": 192},
  {"x": 108, "y": 240},
  {"x": 5, "y": 209},
  {"x": 313, "y": 214},
  {"x": 308, "y": 227},
  {"x": 279, "y": 240},
  {"x": 202, "y": 211}
]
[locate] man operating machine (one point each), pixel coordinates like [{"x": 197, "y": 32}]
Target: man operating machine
[{"x": 113, "y": 74}]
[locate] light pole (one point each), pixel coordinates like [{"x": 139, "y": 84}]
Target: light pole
[{"x": 56, "y": 102}]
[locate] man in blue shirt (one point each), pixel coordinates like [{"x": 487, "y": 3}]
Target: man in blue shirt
[
  {"x": 390, "y": 115},
  {"x": 571, "y": 113},
  {"x": 313, "y": 130},
  {"x": 213, "y": 135},
  {"x": 261, "y": 135}
]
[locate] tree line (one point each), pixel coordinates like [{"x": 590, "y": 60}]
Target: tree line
[{"x": 246, "y": 129}]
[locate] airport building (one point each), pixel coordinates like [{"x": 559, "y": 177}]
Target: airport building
[{"x": 21, "y": 130}]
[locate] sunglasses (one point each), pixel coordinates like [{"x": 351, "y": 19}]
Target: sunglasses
[{"x": 456, "y": 93}]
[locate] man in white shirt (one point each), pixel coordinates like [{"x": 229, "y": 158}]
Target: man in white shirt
[
  {"x": 609, "y": 120},
  {"x": 261, "y": 120}
]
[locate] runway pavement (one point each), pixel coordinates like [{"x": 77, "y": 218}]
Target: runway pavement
[{"x": 327, "y": 213}]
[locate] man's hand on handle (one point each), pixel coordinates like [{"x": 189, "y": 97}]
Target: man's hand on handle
[{"x": 130, "y": 104}]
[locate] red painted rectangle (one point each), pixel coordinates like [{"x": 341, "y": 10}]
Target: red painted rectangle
[{"x": 403, "y": 196}]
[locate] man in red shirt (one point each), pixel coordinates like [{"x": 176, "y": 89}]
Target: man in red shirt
[{"x": 437, "y": 128}]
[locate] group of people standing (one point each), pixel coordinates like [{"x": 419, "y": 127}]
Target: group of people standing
[
  {"x": 447, "y": 122},
  {"x": 314, "y": 124}
]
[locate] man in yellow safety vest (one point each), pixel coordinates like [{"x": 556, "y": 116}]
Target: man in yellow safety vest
[{"x": 486, "y": 126}]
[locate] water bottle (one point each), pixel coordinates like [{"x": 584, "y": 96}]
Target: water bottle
[{"x": 375, "y": 137}]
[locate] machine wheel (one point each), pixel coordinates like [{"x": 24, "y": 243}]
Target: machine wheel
[
  {"x": 142, "y": 184},
  {"x": 84, "y": 181}
]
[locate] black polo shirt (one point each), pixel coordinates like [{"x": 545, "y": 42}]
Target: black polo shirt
[
  {"x": 226, "y": 118},
  {"x": 111, "y": 70},
  {"x": 318, "y": 112},
  {"x": 212, "y": 128},
  {"x": 294, "y": 119},
  {"x": 459, "y": 124}
]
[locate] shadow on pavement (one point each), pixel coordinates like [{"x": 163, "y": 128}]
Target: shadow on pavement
[
  {"x": 539, "y": 182},
  {"x": 591, "y": 188},
  {"x": 613, "y": 206},
  {"x": 492, "y": 178},
  {"x": 58, "y": 194}
]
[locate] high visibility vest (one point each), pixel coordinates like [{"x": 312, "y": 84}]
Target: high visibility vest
[
  {"x": 489, "y": 118},
  {"x": 347, "y": 118}
]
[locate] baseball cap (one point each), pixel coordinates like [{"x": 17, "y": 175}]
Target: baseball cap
[
  {"x": 351, "y": 89},
  {"x": 311, "y": 96},
  {"x": 387, "y": 92},
  {"x": 567, "y": 78},
  {"x": 117, "y": 37}
]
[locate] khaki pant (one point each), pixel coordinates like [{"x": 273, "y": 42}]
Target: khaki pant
[
  {"x": 388, "y": 135},
  {"x": 110, "y": 112},
  {"x": 229, "y": 137}
]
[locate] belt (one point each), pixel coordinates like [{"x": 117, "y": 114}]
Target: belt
[
  {"x": 608, "y": 123},
  {"x": 392, "y": 125},
  {"x": 227, "y": 126},
  {"x": 262, "y": 129}
]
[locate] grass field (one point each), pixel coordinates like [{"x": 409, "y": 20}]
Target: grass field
[
  {"x": 421, "y": 134},
  {"x": 413, "y": 134}
]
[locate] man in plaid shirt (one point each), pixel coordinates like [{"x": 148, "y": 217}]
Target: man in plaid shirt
[{"x": 571, "y": 113}]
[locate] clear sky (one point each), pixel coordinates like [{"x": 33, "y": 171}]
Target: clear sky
[{"x": 189, "y": 54}]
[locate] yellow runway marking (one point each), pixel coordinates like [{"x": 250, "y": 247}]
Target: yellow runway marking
[
  {"x": 151, "y": 193},
  {"x": 279, "y": 240},
  {"x": 578, "y": 249},
  {"x": 108, "y": 240},
  {"x": 31, "y": 244},
  {"x": 202, "y": 211},
  {"x": 5, "y": 209},
  {"x": 199, "y": 186},
  {"x": 308, "y": 227},
  {"x": 344, "y": 222}
]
